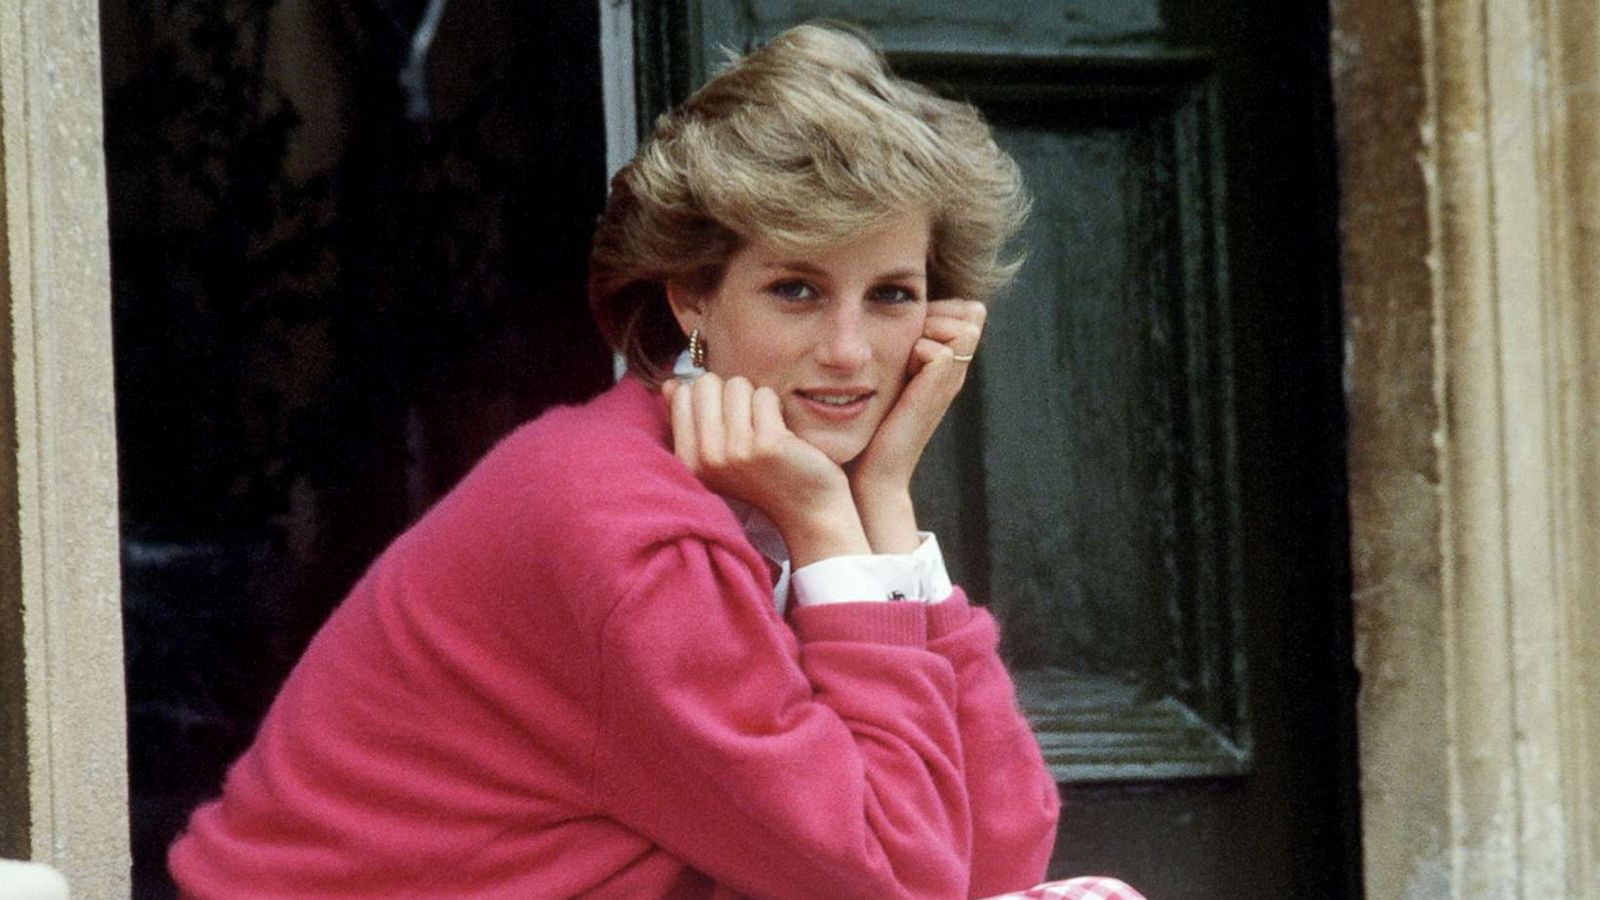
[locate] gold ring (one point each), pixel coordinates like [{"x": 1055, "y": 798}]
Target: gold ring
[{"x": 967, "y": 358}]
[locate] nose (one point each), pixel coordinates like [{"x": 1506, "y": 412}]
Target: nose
[{"x": 844, "y": 343}]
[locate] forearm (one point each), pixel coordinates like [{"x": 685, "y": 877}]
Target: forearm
[
  {"x": 817, "y": 758},
  {"x": 1014, "y": 799}
]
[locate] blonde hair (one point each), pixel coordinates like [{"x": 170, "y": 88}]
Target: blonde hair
[{"x": 806, "y": 142}]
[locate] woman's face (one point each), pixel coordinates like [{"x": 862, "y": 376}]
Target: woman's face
[{"x": 830, "y": 331}]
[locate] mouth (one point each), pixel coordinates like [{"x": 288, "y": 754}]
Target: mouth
[{"x": 835, "y": 404}]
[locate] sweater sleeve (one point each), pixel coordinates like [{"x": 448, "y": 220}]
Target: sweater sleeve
[
  {"x": 1014, "y": 800},
  {"x": 822, "y": 761}
]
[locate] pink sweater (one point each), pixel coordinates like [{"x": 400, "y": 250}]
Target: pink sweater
[{"x": 569, "y": 678}]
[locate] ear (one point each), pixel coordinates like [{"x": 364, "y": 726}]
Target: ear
[{"x": 686, "y": 305}]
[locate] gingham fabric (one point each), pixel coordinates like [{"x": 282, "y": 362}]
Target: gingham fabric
[{"x": 1091, "y": 887}]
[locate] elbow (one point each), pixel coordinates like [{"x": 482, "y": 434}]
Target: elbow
[
  {"x": 1015, "y": 848},
  {"x": 935, "y": 877},
  {"x": 927, "y": 869}
]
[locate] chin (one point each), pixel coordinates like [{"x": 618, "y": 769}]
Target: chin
[{"x": 841, "y": 448}]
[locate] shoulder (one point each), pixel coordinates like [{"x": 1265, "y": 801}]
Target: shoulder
[
  {"x": 611, "y": 459},
  {"x": 599, "y": 480}
]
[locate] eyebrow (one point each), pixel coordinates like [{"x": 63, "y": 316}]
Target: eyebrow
[{"x": 800, "y": 265}]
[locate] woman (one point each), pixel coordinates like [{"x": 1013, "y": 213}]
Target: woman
[{"x": 688, "y": 642}]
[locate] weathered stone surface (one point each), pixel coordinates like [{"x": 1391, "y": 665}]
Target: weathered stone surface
[
  {"x": 58, "y": 543},
  {"x": 1395, "y": 419},
  {"x": 1468, "y": 261}
]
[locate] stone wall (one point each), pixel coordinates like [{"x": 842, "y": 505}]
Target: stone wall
[
  {"x": 64, "y": 780},
  {"x": 1466, "y": 134}
]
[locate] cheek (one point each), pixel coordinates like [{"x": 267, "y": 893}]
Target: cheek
[
  {"x": 742, "y": 342},
  {"x": 898, "y": 343},
  {"x": 906, "y": 335}
]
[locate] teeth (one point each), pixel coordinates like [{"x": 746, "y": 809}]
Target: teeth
[{"x": 832, "y": 400}]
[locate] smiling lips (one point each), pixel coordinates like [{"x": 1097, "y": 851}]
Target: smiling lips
[{"x": 837, "y": 404}]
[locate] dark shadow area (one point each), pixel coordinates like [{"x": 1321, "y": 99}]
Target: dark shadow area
[{"x": 339, "y": 277}]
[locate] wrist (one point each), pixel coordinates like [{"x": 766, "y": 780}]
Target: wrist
[
  {"x": 888, "y": 518},
  {"x": 832, "y": 528}
]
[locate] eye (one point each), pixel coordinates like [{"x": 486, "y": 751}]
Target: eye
[
  {"x": 794, "y": 291},
  {"x": 894, "y": 294}
]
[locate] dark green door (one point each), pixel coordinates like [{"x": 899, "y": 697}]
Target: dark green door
[{"x": 1144, "y": 479}]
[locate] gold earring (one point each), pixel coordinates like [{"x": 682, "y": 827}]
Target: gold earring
[{"x": 697, "y": 349}]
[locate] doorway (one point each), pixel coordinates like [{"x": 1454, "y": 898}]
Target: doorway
[
  {"x": 1145, "y": 477},
  {"x": 348, "y": 253},
  {"x": 334, "y": 290}
]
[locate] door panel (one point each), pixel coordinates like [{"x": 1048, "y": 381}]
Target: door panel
[
  {"x": 1106, "y": 471},
  {"x": 1142, "y": 476}
]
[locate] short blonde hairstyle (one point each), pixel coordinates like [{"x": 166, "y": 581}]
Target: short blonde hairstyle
[{"x": 804, "y": 143}]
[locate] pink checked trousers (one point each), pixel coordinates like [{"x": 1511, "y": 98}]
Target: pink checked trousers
[{"x": 1091, "y": 887}]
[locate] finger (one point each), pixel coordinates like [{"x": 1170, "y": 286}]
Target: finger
[
  {"x": 708, "y": 428},
  {"x": 929, "y": 395},
  {"x": 968, "y": 310},
  {"x": 683, "y": 438},
  {"x": 929, "y": 352},
  {"x": 737, "y": 395},
  {"x": 958, "y": 323},
  {"x": 934, "y": 365},
  {"x": 904, "y": 433},
  {"x": 961, "y": 334},
  {"x": 766, "y": 418}
]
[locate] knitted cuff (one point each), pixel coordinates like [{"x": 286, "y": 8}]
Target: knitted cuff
[
  {"x": 899, "y": 624},
  {"x": 946, "y": 617}
]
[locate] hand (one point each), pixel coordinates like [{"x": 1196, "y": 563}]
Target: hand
[
  {"x": 733, "y": 438},
  {"x": 880, "y": 478}
]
